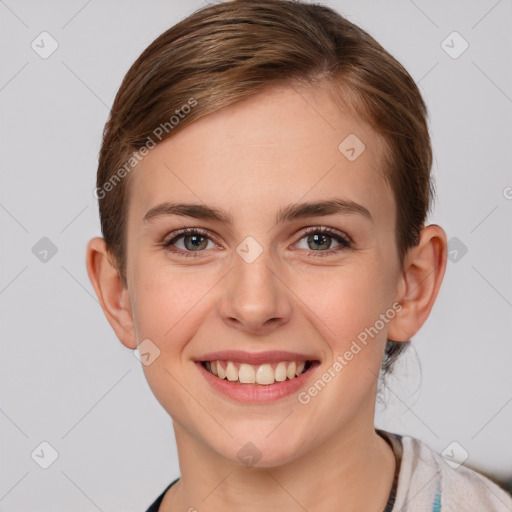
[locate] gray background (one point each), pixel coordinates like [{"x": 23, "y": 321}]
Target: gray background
[{"x": 67, "y": 380}]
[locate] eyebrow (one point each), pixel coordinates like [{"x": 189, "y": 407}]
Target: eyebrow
[{"x": 287, "y": 214}]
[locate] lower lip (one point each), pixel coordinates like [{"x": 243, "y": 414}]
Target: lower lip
[{"x": 256, "y": 393}]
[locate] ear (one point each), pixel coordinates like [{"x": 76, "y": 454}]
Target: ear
[
  {"x": 111, "y": 292},
  {"x": 419, "y": 283}
]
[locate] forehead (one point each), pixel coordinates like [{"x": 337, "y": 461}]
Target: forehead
[{"x": 280, "y": 146}]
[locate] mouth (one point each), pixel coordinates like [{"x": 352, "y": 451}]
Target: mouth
[{"x": 255, "y": 369}]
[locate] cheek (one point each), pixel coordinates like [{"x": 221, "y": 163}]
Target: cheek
[
  {"x": 169, "y": 302},
  {"x": 170, "y": 306},
  {"x": 345, "y": 300}
]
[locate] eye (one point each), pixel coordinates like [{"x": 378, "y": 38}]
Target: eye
[
  {"x": 319, "y": 238},
  {"x": 194, "y": 240}
]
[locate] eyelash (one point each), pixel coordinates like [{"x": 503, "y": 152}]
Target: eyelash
[{"x": 345, "y": 242}]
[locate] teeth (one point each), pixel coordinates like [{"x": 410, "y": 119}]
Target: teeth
[
  {"x": 281, "y": 372},
  {"x": 264, "y": 374},
  {"x": 290, "y": 372},
  {"x": 246, "y": 374},
  {"x": 231, "y": 372},
  {"x": 221, "y": 373}
]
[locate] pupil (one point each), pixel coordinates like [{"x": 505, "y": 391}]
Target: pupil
[
  {"x": 317, "y": 237},
  {"x": 196, "y": 243}
]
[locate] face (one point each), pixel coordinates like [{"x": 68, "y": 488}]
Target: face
[{"x": 266, "y": 281}]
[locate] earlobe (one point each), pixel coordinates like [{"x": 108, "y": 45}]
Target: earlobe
[
  {"x": 111, "y": 292},
  {"x": 419, "y": 283}
]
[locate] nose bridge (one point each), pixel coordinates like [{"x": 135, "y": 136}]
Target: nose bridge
[{"x": 254, "y": 297}]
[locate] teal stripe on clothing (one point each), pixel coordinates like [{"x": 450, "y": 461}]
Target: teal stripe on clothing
[{"x": 436, "y": 506}]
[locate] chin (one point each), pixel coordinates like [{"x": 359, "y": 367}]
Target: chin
[{"x": 260, "y": 452}]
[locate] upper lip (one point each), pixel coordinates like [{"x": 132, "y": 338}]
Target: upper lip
[{"x": 240, "y": 356}]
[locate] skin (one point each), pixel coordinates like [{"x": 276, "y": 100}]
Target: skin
[{"x": 274, "y": 149}]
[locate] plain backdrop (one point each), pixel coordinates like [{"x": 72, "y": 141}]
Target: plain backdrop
[{"x": 65, "y": 378}]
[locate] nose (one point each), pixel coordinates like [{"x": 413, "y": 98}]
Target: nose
[{"x": 255, "y": 298}]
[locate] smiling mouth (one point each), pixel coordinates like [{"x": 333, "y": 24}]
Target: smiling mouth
[{"x": 263, "y": 374}]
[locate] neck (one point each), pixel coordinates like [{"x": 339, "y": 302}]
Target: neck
[{"x": 345, "y": 468}]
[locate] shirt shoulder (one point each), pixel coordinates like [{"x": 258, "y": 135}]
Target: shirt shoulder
[{"x": 428, "y": 483}]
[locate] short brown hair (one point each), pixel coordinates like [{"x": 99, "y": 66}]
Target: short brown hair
[{"x": 227, "y": 52}]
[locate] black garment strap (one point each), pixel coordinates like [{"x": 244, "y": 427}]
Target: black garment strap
[
  {"x": 156, "y": 504},
  {"x": 395, "y": 441}
]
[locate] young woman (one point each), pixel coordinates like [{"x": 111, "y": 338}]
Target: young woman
[{"x": 263, "y": 185}]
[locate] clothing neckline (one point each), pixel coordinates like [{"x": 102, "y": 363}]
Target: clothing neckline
[{"x": 394, "y": 441}]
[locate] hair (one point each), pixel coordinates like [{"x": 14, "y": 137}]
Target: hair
[{"x": 226, "y": 52}]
